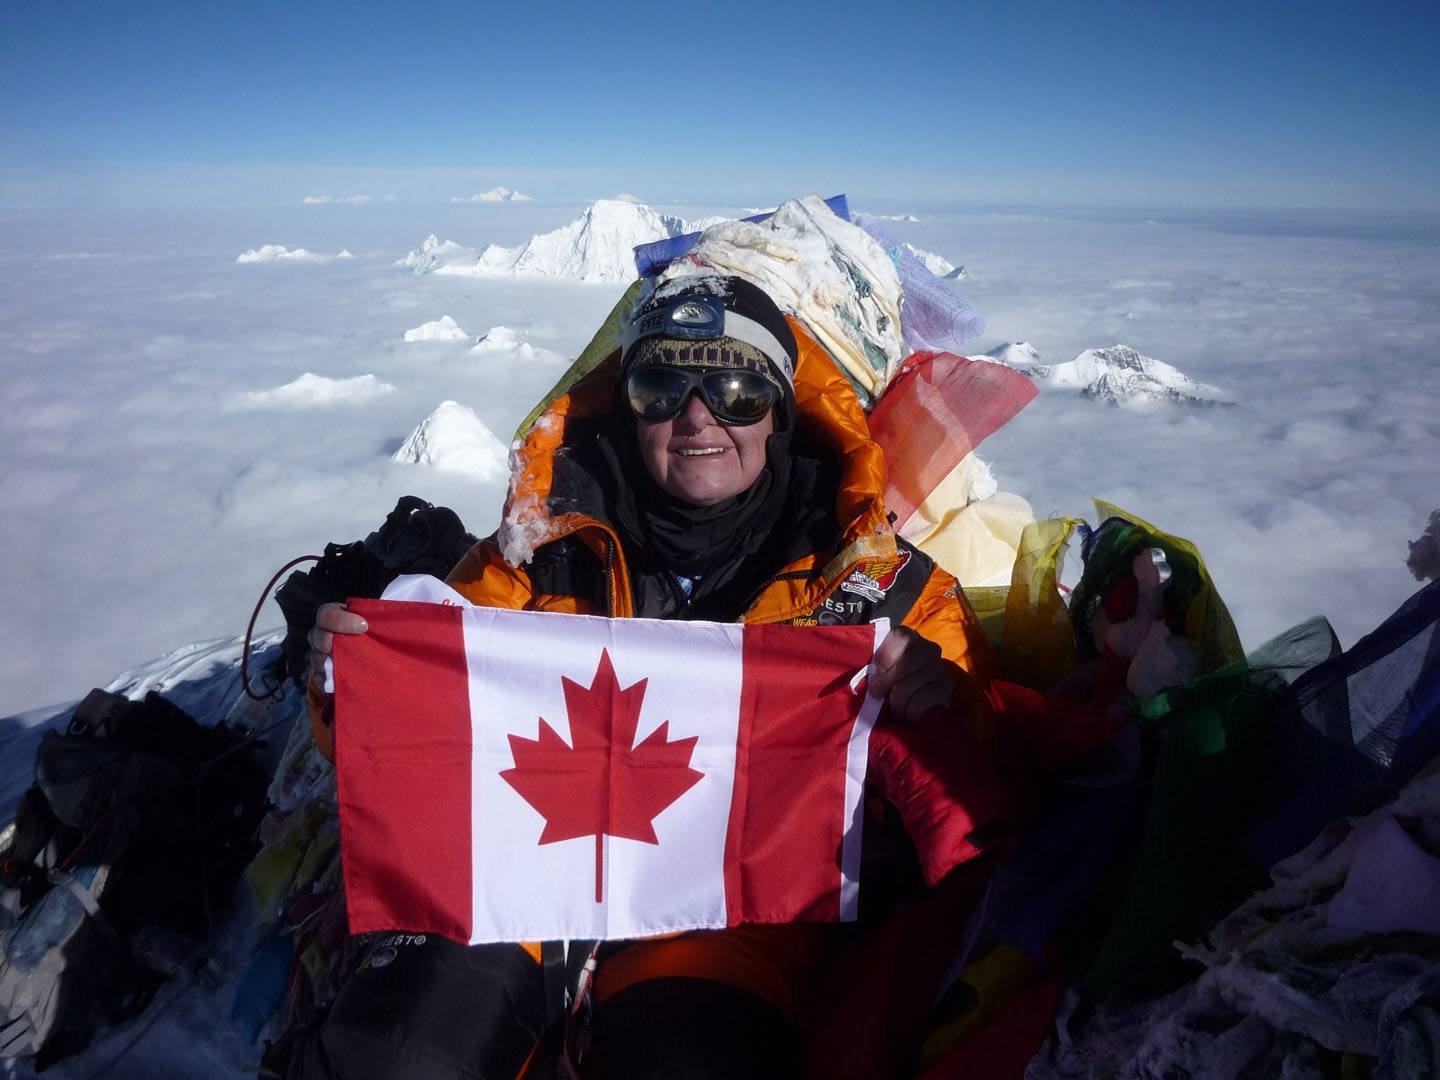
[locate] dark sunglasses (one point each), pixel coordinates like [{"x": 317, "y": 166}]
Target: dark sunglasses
[{"x": 733, "y": 395}]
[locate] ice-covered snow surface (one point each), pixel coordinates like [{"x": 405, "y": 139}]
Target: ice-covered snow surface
[{"x": 143, "y": 511}]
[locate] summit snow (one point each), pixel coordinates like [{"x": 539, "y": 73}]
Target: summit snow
[
  {"x": 1115, "y": 374},
  {"x": 454, "y": 439},
  {"x": 444, "y": 328},
  {"x": 431, "y": 253},
  {"x": 598, "y": 246}
]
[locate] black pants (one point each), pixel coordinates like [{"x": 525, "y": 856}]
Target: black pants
[
  {"x": 691, "y": 1029},
  {"x": 423, "y": 1008}
]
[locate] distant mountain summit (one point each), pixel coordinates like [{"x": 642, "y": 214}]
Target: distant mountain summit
[
  {"x": 431, "y": 253},
  {"x": 499, "y": 193},
  {"x": 1020, "y": 355},
  {"x": 597, "y": 246},
  {"x": 453, "y": 438},
  {"x": 938, "y": 265},
  {"x": 1115, "y": 374}
]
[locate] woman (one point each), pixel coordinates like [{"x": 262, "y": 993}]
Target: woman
[{"x": 717, "y": 466}]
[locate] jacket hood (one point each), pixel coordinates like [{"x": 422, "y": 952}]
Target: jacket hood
[{"x": 551, "y": 495}]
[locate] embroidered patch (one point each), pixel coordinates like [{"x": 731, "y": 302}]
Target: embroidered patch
[{"x": 874, "y": 586}]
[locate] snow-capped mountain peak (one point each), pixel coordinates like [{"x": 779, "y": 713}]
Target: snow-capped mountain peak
[
  {"x": 1020, "y": 355},
  {"x": 1118, "y": 374},
  {"x": 444, "y": 328},
  {"x": 499, "y": 193},
  {"x": 455, "y": 439},
  {"x": 429, "y": 254},
  {"x": 1114, "y": 374},
  {"x": 937, "y": 264},
  {"x": 597, "y": 246}
]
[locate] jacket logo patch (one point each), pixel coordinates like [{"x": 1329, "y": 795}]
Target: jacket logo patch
[{"x": 877, "y": 578}]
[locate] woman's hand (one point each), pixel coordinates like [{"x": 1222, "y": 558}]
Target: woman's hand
[
  {"x": 330, "y": 620},
  {"x": 1157, "y": 658},
  {"x": 909, "y": 674}
]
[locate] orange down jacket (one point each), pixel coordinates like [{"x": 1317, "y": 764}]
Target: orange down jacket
[{"x": 553, "y": 506}]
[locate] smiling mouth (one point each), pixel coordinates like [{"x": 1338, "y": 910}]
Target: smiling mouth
[{"x": 700, "y": 451}]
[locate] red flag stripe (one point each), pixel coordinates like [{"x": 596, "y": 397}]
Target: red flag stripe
[
  {"x": 782, "y": 857},
  {"x": 402, "y": 733}
]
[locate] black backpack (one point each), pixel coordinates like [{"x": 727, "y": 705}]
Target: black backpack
[
  {"x": 416, "y": 538},
  {"x": 139, "y": 822}
]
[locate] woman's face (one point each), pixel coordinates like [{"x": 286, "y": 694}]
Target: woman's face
[{"x": 698, "y": 460}]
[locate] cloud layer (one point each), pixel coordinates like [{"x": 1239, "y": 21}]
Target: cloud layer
[{"x": 146, "y": 510}]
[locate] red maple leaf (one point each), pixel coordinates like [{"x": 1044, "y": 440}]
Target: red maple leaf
[{"x": 602, "y": 785}]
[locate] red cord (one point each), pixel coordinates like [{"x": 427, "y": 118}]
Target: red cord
[
  {"x": 250, "y": 629},
  {"x": 65, "y": 866}
]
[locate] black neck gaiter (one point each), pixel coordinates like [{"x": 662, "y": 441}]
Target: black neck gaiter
[{"x": 695, "y": 541}]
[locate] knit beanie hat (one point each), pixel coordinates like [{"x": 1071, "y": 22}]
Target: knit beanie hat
[{"x": 711, "y": 321}]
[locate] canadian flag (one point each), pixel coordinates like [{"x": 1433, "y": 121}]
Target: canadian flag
[{"x": 522, "y": 776}]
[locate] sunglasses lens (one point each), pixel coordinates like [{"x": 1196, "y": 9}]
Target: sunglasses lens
[
  {"x": 656, "y": 393},
  {"x": 739, "y": 397},
  {"x": 733, "y": 396}
]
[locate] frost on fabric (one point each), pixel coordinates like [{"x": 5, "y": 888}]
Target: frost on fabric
[
  {"x": 1424, "y": 560},
  {"x": 831, "y": 274},
  {"x": 526, "y": 523},
  {"x": 703, "y": 284}
]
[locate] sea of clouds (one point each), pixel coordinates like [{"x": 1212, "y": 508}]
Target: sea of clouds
[{"x": 177, "y": 425}]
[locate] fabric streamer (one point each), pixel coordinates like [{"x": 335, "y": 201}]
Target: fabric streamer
[{"x": 933, "y": 316}]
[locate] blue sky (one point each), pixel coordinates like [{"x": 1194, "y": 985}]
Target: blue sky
[{"x": 1281, "y": 104}]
